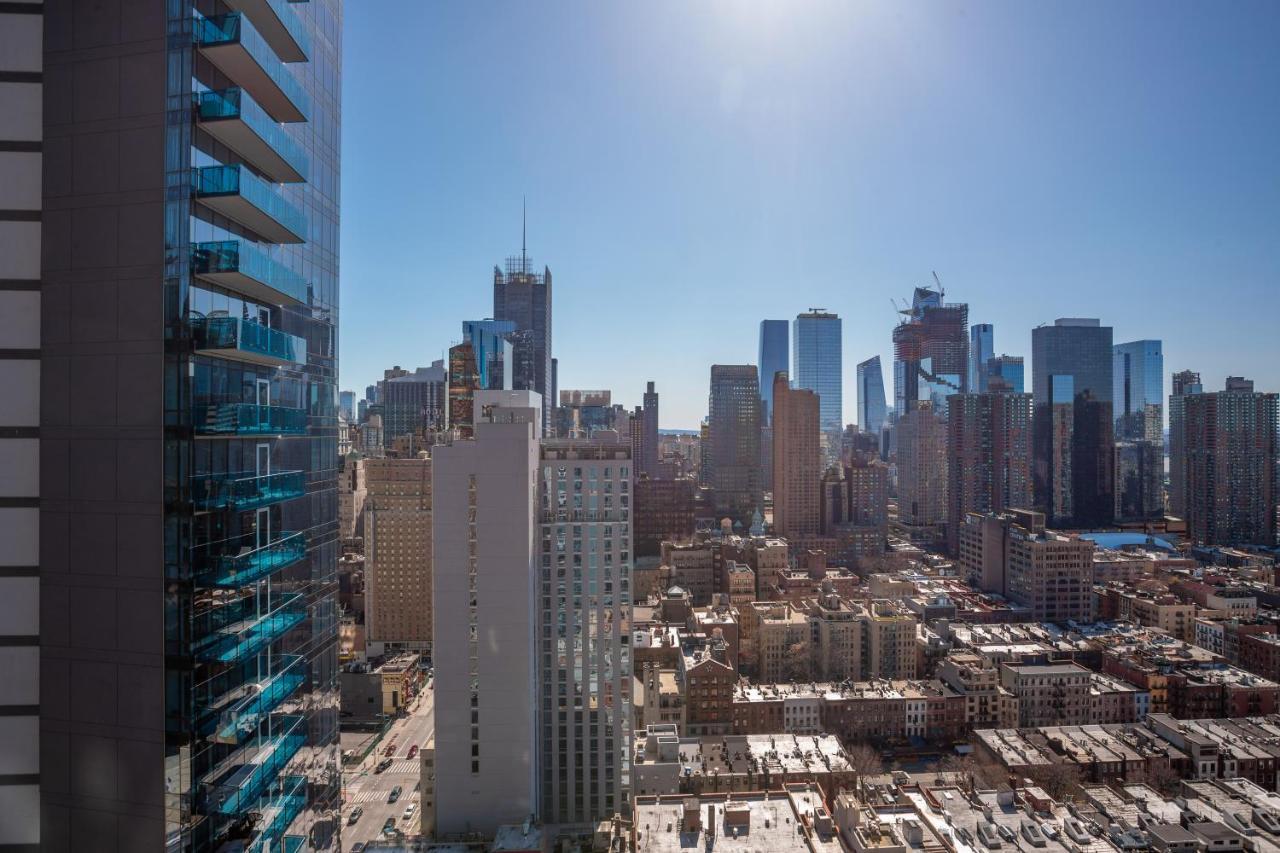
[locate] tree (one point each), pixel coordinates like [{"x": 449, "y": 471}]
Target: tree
[
  {"x": 864, "y": 760},
  {"x": 1163, "y": 777},
  {"x": 1057, "y": 780}
]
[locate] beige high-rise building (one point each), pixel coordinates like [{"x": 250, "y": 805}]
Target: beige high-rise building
[
  {"x": 782, "y": 642},
  {"x": 1013, "y": 553},
  {"x": 837, "y": 627},
  {"x": 397, "y": 548},
  {"x": 922, "y": 468},
  {"x": 888, "y": 641},
  {"x": 693, "y": 564},
  {"x": 351, "y": 495},
  {"x": 767, "y": 557},
  {"x": 797, "y": 460}
]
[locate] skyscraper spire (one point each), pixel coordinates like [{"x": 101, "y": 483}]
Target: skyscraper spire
[{"x": 524, "y": 222}]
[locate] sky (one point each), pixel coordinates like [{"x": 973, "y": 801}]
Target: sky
[{"x": 693, "y": 168}]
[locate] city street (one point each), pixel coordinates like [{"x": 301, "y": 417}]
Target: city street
[{"x": 370, "y": 791}]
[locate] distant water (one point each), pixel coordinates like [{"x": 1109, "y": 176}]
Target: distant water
[{"x": 1118, "y": 539}]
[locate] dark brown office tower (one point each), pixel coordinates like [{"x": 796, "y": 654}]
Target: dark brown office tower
[
  {"x": 797, "y": 459},
  {"x": 1184, "y": 382},
  {"x": 524, "y": 297},
  {"x": 989, "y": 455},
  {"x": 647, "y": 461},
  {"x": 464, "y": 381},
  {"x": 855, "y": 508},
  {"x": 664, "y": 509},
  {"x": 1230, "y": 485},
  {"x": 930, "y": 350},
  {"x": 731, "y": 450}
]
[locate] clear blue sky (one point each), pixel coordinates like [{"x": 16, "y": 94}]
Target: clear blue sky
[{"x": 692, "y": 168}]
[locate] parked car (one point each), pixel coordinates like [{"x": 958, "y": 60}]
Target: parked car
[
  {"x": 395, "y": 795},
  {"x": 355, "y": 815},
  {"x": 358, "y": 847}
]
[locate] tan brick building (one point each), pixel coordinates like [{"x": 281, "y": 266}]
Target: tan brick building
[{"x": 398, "y": 569}]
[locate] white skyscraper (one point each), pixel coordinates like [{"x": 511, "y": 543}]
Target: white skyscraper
[
  {"x": 486, "y": 560},
  {"x": 585, "y": 667}
]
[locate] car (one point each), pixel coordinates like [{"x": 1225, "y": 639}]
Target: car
[
  {"x": 389, "y": 826},
  {"x": 382, "y": 765},
  {"x": 355, "y": 815},
  {"x": 413, "y": 750},
  {"x": 408, "y": 811},
  {"x": 358, "y": 847},
  {"x": 395, "y": 795}
]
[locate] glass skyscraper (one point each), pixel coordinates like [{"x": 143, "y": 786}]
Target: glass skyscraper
[
  {"x": 189, "y": 667},
  {"x": 1007, "y": 367},
  {"x": 1073, "y": 432},
  {"x": 817, "y": 360},
  {"x": 491, "y": 340},
  {"x": 871, "y": 402},
  {"x": 774, "y": 358},
  {"x": 1138, "y": 390},
  {"x": 981, "y": 348}
]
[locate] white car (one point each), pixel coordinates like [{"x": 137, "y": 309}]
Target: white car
[{"x": 409, "y": 811}]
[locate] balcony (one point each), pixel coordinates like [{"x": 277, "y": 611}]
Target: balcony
[
  {"x": 235, "y": 119},
  {"x": 279, "y": 26},
  {"x": 244, "y": 634},
  {"x": 239, "y": 51},
  {"x": 245, "y": 340},
  {"x": 240, "y": 266},
  {"x": 255, "y": 701},
  {"x": 248, "y": 419},
  {"x": 279, "y": 812},
  {"x": 250, "y": 565},
  {"x": 246, "y": 490},
  {"x": 235, "y": 786},
  {"x": 238, "y": 194}
]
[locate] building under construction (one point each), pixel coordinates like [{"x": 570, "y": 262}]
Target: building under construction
[{"x": 930, "y": 350}]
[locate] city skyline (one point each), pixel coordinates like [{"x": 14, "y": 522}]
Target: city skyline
[{"x": 1022, "y": 238}]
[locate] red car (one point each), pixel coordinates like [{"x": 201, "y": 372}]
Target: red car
[
  {"x": 413, "y": 750},
  {"x": 390, "y": 750}
]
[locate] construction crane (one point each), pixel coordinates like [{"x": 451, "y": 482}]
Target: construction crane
[{"x": 942, "y": 291}]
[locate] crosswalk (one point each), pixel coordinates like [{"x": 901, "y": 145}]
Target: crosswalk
[{"x": 361, "y": 797}]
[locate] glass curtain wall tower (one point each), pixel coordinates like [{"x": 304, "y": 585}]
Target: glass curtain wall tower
[
  {"x": 1073, "y": 430},
  {"x": 871, "y": 403},
  {"x": 981, "y": 348},
  {"x": 818, "y": 360},
  {"x": 774, "y": 358},
  {"x": 200, "y": 389}
]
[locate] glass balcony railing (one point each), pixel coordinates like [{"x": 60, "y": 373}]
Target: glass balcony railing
[
  {"x": 240, "y": 720},
  {"x": 248, "y": 419},
  {"x": 246, "y": 490},
  {"x": 238, "y": 194},
  {"x": 233, "y": 44},
  {"x": 250, "y": 564},
  {"x": 236, "y": 119},
  {"x": 279, "y": 812},
  {"x": 235, "y": 786},
  {"x": 279, "y": 25},
  {"x": 245, "y": 340},
  {"x": 242, "y": 632},
  {"x": 241, "y": 266}
]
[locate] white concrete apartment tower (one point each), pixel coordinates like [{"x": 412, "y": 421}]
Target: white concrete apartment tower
[
  {"x": 21, "y": 132},
  {"x": 485, "y": 555}
]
